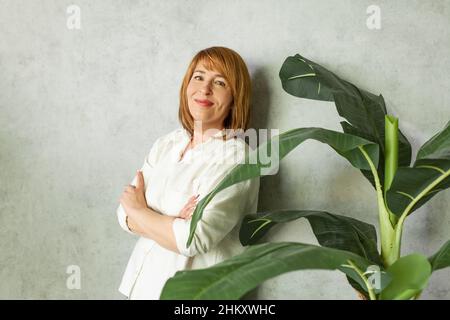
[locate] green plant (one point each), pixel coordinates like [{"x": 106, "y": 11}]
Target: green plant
[{"x": 372, "y": 143}]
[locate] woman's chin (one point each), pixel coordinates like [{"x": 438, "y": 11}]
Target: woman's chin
[
  {"x": 200, "y": 115},
  {"x": 200, "y": 119}
]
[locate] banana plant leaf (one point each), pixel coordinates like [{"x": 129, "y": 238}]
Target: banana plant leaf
[
  {"x": 441, "y": 259},
  {"x": 346, "y": 145},
  {"x": 331, "y": 230},
  {"x": 363, "y": 110},
  {"x": 233, "y": 278},
  {"x": 413, "y": 187},
  {"x": 409, "y": 276},
  {"x": 438, "y": 147}
]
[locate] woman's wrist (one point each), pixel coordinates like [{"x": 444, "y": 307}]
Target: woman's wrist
[{"x": 133, "y": 216}]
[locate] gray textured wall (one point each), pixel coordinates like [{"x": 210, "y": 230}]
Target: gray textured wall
[{"x": 79, "y": 110}]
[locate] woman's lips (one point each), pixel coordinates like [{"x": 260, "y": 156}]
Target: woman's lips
[{"x": 204, "y": 103}]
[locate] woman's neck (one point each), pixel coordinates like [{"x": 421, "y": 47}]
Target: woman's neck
[{"x": 202, "y": 134}]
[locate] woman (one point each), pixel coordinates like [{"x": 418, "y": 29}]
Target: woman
[{"x": 184, "y": 166}]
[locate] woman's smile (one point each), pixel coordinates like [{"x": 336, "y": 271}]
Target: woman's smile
[{"x": 204, "y": 102}]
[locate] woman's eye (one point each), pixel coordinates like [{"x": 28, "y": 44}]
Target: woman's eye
[
  {"x": 220, "y": 83},
  {"x": 197, "y": 77}
]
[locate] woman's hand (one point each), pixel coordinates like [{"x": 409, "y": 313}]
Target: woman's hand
[
  {"x": 188, "y": 209},
  {"x": 133, "y": 198}
]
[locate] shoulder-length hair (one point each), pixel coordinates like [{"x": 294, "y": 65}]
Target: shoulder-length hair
[{"x": 231, "y": 65}]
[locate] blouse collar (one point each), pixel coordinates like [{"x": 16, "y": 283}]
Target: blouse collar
[{"x": 217, "y": 135}]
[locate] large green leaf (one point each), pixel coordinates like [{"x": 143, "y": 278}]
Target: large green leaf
[
  {"x": 363, "y": 110},
  {"x": 438, "y": 147},
  {"x": 441, "y": 259},
  {"x": 234, "y": 277},
  {"x": 304, "y": 78},
  {"x": 345, "y": 144},
  {"x": 409, "y": 276},
  {"x": 413, "y": 187},
  {"x": 331, "y": 230}
]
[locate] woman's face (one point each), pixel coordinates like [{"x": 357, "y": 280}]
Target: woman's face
[{"x": 209, "y": 97}]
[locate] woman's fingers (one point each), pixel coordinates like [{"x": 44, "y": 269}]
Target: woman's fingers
[
  {"x": 187, "y": 211},
  {"x": 193, "y": 199},
  {"x": 191, "y": 213},
  {"x": 189, "y": 207}
]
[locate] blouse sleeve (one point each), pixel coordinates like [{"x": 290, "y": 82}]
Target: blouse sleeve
[
  {"x": 147, "y": 168},
  {"x": 220, "y": 216}
]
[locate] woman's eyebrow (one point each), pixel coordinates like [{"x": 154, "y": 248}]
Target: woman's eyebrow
[{"x": 216, "y": 75}]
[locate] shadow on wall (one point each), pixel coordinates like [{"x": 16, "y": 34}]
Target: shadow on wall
[
  {"x": 260, "y": 120},
  {"x": 261, "y": 104}
]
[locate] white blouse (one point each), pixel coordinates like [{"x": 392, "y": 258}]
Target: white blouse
[{"x": 169, "y": 183}]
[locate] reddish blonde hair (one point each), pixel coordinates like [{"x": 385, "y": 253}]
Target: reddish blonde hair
[{"x": 230, "y": 64}]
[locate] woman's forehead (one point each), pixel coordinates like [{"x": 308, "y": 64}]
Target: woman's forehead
[{"x": 208, "y": 65}]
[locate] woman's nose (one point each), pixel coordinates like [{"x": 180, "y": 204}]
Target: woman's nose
[{"x": 206, "y": 88}]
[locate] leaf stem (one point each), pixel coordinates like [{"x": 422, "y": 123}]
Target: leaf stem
[
  {"x": 399, "y": 227},
  {"x": 363, "y": 277},
  {"x": 386, "y": 229}
]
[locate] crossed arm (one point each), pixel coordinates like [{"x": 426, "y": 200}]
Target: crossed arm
[
  {"x": 153, "y": 225},
  {"x": 148, "y": 223},
  {"x": 171, "y": 232}
]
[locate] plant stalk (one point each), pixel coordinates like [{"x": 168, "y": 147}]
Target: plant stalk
[
  {"x": 370, "y": 290},
  {"x": 387, "y": 232},
  {"x": 390, "y": 158}
]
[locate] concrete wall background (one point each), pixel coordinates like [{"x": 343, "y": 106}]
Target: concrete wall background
[{"x": 80, "y": 109}]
